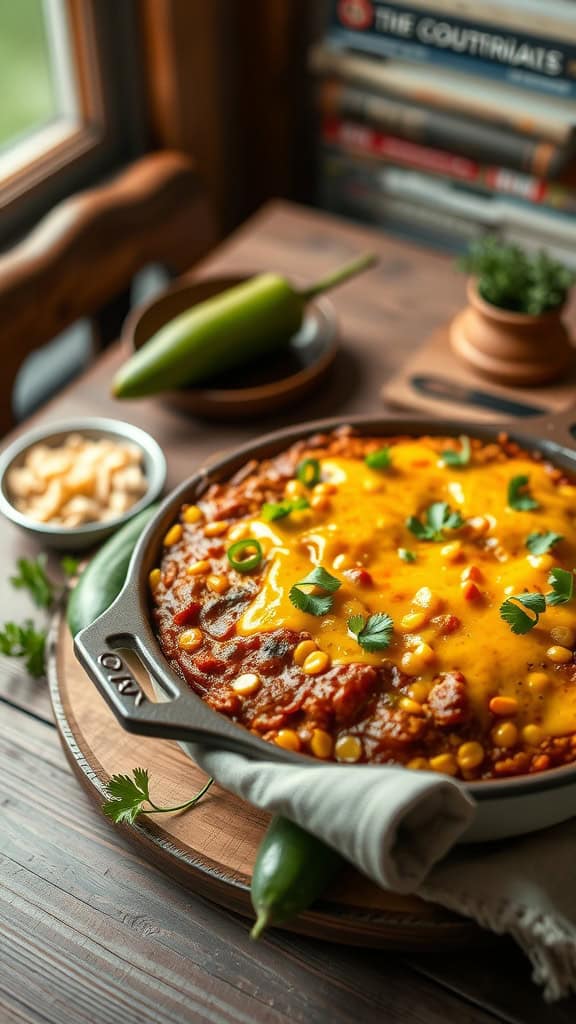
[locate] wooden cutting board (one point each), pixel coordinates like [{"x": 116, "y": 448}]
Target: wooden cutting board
[{"x": 210, "y": 850}]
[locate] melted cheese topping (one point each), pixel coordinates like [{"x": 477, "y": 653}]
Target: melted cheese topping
[{"x": 366, "y": 520}]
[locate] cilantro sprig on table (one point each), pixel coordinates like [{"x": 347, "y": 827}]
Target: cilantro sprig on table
[
  {"x": 25, "y": 640},
  {"x": 374, "y": 633},
  {"x": 129, "y": 797},
  {"x": 437, "y": 518}
]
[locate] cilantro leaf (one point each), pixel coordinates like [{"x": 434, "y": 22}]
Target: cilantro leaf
[
  {"x": 522, "y": 611},
  {"x": 562, "y": 583},
  {"x": 32, "y": 577},
  {"x": 519, "y": 497},
  {"x": 375, "y": 634},
  {"x": 406, "y": 555},
  {"x": 69, "y": 565},
  {"x": 272, "y": 510},
  {"x": 439, "y": 517},
  {"x": 25, "y": 641},
  {"x": 540, "y": 543},
  {"x": 380, "y": 459},
  {"x": 127, "y": 796},
  {"x": 315, "y": 604},
  {"x": 461, "y": 458}
]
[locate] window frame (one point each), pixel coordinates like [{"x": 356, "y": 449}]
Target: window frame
[{"x": 109, "y": 90}]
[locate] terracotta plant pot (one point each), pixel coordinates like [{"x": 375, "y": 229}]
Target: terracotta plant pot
[{"x": 511, "y": 348}]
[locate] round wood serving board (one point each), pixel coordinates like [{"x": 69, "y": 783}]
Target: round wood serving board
[{"x": 211, "y": 849}]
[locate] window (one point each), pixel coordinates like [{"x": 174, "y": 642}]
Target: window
[{"x": 70, "y": 105}]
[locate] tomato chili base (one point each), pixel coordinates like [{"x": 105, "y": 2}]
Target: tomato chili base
[{"x": 417, "y": 640}]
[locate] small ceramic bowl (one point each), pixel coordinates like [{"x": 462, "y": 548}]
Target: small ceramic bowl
[
  {"x": 78, "y": 537},
  {"x": 262, "y": 386}
]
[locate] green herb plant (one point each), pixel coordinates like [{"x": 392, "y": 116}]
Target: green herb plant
[
  {"x": 512, "y": 279},
  {"x": 26, "y": 640}
]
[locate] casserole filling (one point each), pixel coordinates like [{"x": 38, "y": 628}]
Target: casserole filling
[{"x": 383, "y": 600}]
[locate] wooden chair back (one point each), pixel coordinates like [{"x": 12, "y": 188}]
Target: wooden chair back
[{"x": 85, "y": 252}]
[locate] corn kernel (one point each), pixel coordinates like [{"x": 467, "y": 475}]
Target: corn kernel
[
  {"x": 216, "y": 528},
  {"x": 173, "y": 536},
  {"x": 302, "y": 650},
  {"x": 544, "y": 562},
  {"x": 348, "y": 749},
  {"x": 247, "y": 683},
  {"x": 320, "y": 502},
  {"x": 559, "y": 655},
  {"x": 470, "y": 755},
  {"x": 563, "y": 635},
  {"x": 343, "y": 562},
  {"x": 154, "y": 578},
  {"x": 325, "y": 488},
  {"x": 452, "y": 552},
  {"x": 418, "y": 764},
  {"x": 321, "y": 744},
  {"x": 503, "y": 706},
  {"x": 315, "y": 663},
  {"x": 198, "y": 568},
  {"x": 294, "y": 489},
  {"x": 218, "y": 583},
  {"x": 445, "y": 763},
  {"x": 413, "y": 620},
  {"x": 505, "y": 734},
  {"x": 412, "y": 706},
  {"x": 192, "y": 514},
  {"x": 288, "y": 739},
  {"x": 538, "y": 681},
  {"x": 238, "y": 531},
  {"x": 419, "y": 691},
  {"x": 190, "y": 639},
  {"x": 425, "y": 598},
  {"x": 533, "y": 735},
  {"x": 416, "y": 661}
]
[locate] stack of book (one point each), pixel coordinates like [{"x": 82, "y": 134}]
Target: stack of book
[{"x": 449, "y": 118}]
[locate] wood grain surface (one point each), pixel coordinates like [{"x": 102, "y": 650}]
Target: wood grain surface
[{"x": 90, "y": 931}]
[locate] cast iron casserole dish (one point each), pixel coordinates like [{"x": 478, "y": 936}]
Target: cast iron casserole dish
[{"x": 504, "y": 806}]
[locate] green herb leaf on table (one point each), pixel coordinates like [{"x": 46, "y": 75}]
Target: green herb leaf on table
[
  {"x": 458, "y": 458},
  {"x": 308, "y": 472},
  {"x": 319, "y": 603},
  {"x": 25, "y": 641},
  {"x": 373, "y": 634},
  {"x": 406, "y": 555},
  {"x": 32, "y": 577},
  {"x": 380, "y": 459},
  {"x": 69, "y": 565},
  {"x": 439, "y": 517},
  {"x": 272, "y": 510},
  {"x": 562, "y": 583},
  {"x": 522, "y": 611},
  {"x": 540, "y": 543},
  {"x": 127, "y": 797},
  {"x": 519, "y": 497}
]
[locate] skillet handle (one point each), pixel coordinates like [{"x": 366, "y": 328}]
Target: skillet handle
[
  {"x": 181, "y": 715},
  {"x": 556, "y": 427}
]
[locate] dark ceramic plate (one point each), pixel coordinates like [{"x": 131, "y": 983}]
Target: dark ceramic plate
[{"x": 259, "y": 387}]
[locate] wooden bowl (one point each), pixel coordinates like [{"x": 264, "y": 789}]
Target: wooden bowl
[{"x": 258, "y": 387}]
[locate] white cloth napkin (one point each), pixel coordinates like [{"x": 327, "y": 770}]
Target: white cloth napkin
[{"x": 399, "y": 828}]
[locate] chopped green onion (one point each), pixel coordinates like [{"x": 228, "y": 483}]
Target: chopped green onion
[
  {"x": 308, "y": 472},
  {"x": 240, "y": 560},
  {"x": 380, "y": 459},
  {"x": 272, "y": 510}
]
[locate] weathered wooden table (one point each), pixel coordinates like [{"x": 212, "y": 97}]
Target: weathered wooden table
[{"x": 92, "y": 934}]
